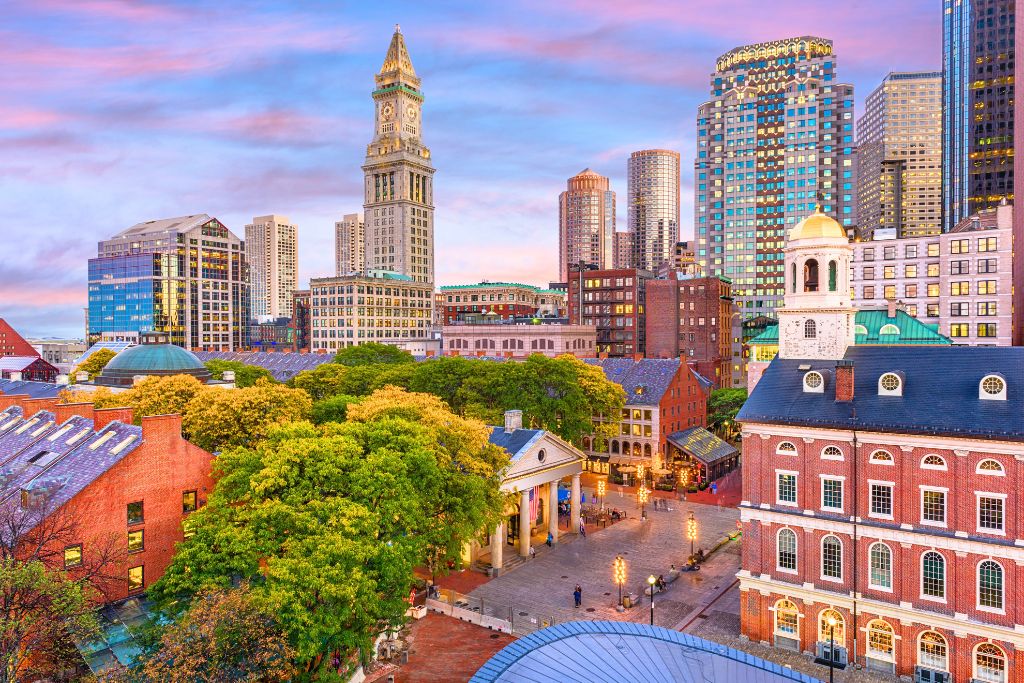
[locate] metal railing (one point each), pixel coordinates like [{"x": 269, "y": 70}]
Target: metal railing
[{"x": 504, "y": 617}]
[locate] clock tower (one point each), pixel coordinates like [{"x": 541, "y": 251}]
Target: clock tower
[{"x": 399, "y": 176}]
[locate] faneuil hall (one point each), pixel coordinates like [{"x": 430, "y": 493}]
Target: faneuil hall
[{"x": 882, "y": 489}]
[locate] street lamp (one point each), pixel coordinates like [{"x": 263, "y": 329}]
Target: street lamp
[
  {"x": 651, "y": 581},
  {"x": 619, "y": 574},
  {"x": 691, "y": 530},
  {"x": 601, "y": 484},
  {"x": 831, "y": 647},
  {"x": 640, "y": 474},
  {"x": 641, "y": 496}
]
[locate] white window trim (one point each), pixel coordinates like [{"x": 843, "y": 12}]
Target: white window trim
[
  {"x": 892, "y": 502},
  {"x": 945, "y": 578},
  {"x": 842, "y": 558},
  {"x": 778, "y": 500},
  {"x": 985, "y": 396},
  {"x": 978, "y": 495},
  {"x": 820, "y": 389},
  {"x": 945, "y": 640},
  {"x": 990, "y": 473},
  {"x": 780, "y": 568},
  {"x": 882, "y": 391},
  {"x": 793, "y": 453},
  {"x": 840, "y": 457},
  {"x": 977, "y": 587},
  {"x": 945, "y": 506},
  {"x": 974, "y": 659},
  {"x": 892, "y": 562},
  {"x": 891, "y": 462},
  {"x": 938, "y": 468},
  {"x": 842, "y": 491}
]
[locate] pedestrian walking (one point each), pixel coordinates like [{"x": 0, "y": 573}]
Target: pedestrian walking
[
  {"x": 583, "y": 529},
  {"x": 533, "y": 553},
  {"x": 577, "y": 595}
]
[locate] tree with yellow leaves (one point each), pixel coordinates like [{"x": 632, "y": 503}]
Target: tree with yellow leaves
[{"x": 221, "y": 418}]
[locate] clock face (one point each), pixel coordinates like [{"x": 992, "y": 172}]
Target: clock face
[
  {"x": 411, "y": 113},
  {"x": 388, "y": 110}
]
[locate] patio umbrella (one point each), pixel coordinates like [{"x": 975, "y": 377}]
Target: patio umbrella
[
  {"x": 660, "y": 471},
  {"x": 628, "y": 469}
]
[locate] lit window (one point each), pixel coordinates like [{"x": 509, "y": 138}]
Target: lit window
[
  {"x": 882, "y": 458},
  {"x": 832, "y": 453},
  {"x": 832, "y": 626},
  {"x": 188, "y": 501},
  {"x": 787, "y": 618},
  {"x": 135, "y": 542},
  {"x": 136, "y": 579},
  {"x": 933, "y": 507},
  {"x": 933, "y": 462},
  {"x": 73, "y": 556},
  {"x": 880, "y": 639},
  {"x": 989, "y": 664},
  {"x": 932, "y": 651},
  {"x": 786, "y": 448},
  {"x": 990, "y": 467}
]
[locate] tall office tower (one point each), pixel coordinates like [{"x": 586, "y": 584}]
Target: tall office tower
[
  {"x": 586, "y": 222},
  {"x": 399, "y": 189},
  {"x": 979, "y": 65},
  {"x": 350, "y": 245},
  {"x": 623, "y": 250},
  {"x": 899, "y": 157},
  {"x": 653, "y": 212},
  {"x": 182, "y": 276},
  {"x": 775, "y": 139},
  {"x": 271, "y": 249}
]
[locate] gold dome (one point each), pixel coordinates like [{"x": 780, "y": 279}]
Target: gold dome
[{"x": 817, "y": 225}]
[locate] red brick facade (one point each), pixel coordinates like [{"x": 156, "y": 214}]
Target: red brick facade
[
  {"x": 897, "y": 568},
  {"x": 613, "y": 302},
  {"x": 12, "y": 343},
  {"x": 690, "y": 317}
]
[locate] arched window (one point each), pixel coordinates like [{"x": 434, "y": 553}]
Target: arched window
[
  {"x": 837, "y": 627},
  {"x": 636, "y": 449},
  {"x": 615, "y": 447},
  {"x": 933, "y": 462},
  {"x": 880, "y": 639},
  {"x": 932, "y": 651},
  {"x": 786, "y": 545},
  {"x": 933, "y": 575},
  {"x": 990, "y": 584},
  {"x": 786, "y": 448},
  {"x": 810, "y": 275},
  {"x": 880, "y": 565},
  {"x": 810, "y": 329},
  {"x": 833, "y": 276},
  {"x": 989, "y": 663},
  {"x": 647, "y": 450},
  {"x": 794, "y": 278},
  {"x": 990, "y": 467},
  {"x": 813, "y": 381},
  {"x": 889, "y": 328},
  {"x": 787, "y": 619},
  {"x": 992, "y": 388},
  {"x": 890, "y": 384},
  {"x": 831, "y": 557},
  {"x": 882, "y": 458},
  {"x": 832, "y": 453},
  {"x": 860, "y": 329}
]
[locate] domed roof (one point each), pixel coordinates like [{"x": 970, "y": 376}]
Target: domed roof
[
  {"x": 146, "y": 358},
  {"x": 817, "y": 225}
]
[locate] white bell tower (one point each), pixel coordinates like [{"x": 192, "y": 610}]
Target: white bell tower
[{"x": 817, "y": 317}]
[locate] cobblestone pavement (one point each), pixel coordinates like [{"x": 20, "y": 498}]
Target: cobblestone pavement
[
  {"x": 543, "y": 587},
  {"x": 721, "y": 624}
]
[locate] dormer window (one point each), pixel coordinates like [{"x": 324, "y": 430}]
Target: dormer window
[
  {"x": 992, "y": 388},
  {"x": 890, "y": 384},
  {"x": 814, "y": 383},
  {"x": 860, "y": 329},
  {"x": 889, "y": 328}
]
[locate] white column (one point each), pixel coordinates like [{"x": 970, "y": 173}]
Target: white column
[
  {"x": 574, "y": 517},
  {"x": 553, "y": 509},
  {"x": 524, "y": 523},
  {"x": 498, "y": 546}
]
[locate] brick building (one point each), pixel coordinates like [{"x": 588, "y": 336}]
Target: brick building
[
  {"x": 518, "y": 339},
  {"x": 301, "y": 320},
  {"x": 663, "y": 396},
  {"x": 498, "y": 301},
  {"x": 613, "y": 302},
  {"x": 12, "y": 343},
  {"x": 691, "y": 317},
  {"x": 31, "y": 368},
  {"x": 881, "y": 491},
  {"x": 114, "y": 479}
]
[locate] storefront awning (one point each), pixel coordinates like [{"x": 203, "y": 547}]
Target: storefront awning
[{"x": 702, "y": 445}]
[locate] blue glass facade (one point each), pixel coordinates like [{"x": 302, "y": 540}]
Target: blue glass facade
[
  {"x": 122, "y": 293},
  {"x": 956, "y": 58}
]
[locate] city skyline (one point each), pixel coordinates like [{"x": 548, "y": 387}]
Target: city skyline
[{"x": 114, "y": 124}]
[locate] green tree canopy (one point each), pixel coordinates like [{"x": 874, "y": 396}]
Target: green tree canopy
[
  {"x": 372, "y": 353},
  {"x": 723, "y": 404},
  {"x": 333, "y": 409},
  {"x": 245, "y": 375},
  {"x": 221, "y": 418},
  {"x": 96, "y": 361},
  {"x": 333, "y": 519}
]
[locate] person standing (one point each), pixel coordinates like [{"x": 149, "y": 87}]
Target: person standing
[
  {"x": 577, "y": 595},
  {"x": 550, "y": 539},
  {"x": 583, "y": 529}
]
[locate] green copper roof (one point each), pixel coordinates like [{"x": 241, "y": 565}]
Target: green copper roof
[
  {"x": 486, "y": 285},
  {"x": 146, "y": 358},
  {"x": 869, "y": 329}
]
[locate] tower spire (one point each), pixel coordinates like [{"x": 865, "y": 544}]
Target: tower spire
[{"x": 397, "y": 59}]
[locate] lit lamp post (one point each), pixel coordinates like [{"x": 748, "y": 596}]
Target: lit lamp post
[
  {"x": 650, "y": 581},
  {"x": 691, "y": 530},
  {"x": 640, "y": 474},
  {"x": 641, "y": 496},
  {"x": 619, "y": 574},
  {"x": 831, "y": 648},
  {"x": 601, "y": 491}
]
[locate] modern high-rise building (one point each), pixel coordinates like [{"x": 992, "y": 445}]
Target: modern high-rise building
[
  {"x": 350, "y": 245},
  {"x": 186, "y": 277},
  {"x": 899, "y": 157},
  {"x": 775, "y": 139},
  {"x": 623, "y": 249},
  {"x": 653, "y": 212},
  {"x": 586, "y": 222},
  {"x": 979, "y": 65},
  {"x": 271, "y": 249},
  {"x": 399, "y": 192}
]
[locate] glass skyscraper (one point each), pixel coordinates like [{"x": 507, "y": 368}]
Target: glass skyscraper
[{"x": 653, "y": 211}]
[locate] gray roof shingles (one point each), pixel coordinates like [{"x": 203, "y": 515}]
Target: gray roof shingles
[
  {"x": 515, "y": 442},
  {"x": 652, "y": 376},
  {"x": 940, "y": 393}
]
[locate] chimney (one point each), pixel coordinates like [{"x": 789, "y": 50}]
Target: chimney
[
  {"x": 513, "y": 420},
  {"x": 891, "y": 304},
  {"x": 228, "y": 376},
  {"x": 104, "y": 416},
  {"x": 844, "y": 381},
  {"x": 65, "y": 411},
  {"x": 638, "y": 357}
]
